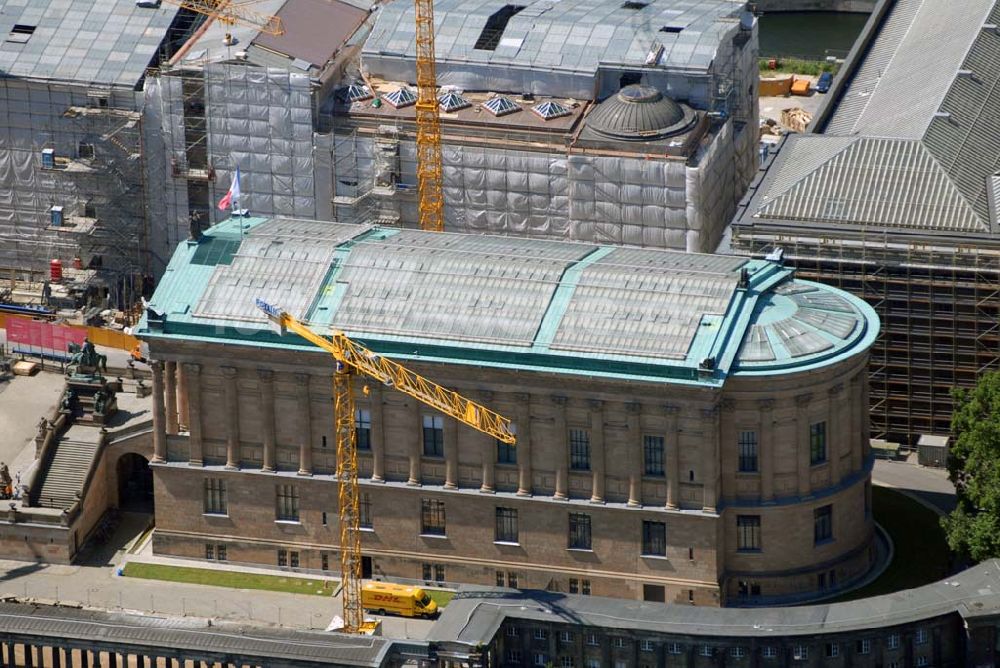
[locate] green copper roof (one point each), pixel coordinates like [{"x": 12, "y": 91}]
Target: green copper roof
[{"x": 506, "y": 302}]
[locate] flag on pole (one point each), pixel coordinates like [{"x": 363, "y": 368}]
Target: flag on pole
[{"x": 232, "y": 198}]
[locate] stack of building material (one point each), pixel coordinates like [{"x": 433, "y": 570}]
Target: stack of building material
[{"x": 796, "y": 119}]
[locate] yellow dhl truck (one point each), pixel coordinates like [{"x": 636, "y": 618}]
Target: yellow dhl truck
[{"x": 385, "y": 597}]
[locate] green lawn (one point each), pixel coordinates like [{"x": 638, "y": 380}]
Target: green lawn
[
  {"x": 921, "y": 551},
  {"x": 440, "y": 596},
  {"x": 795, "y": 66},
  {"x": 232, "y": 579}
]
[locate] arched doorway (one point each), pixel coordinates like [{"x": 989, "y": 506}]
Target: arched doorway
[{"x": 135, "y": 483}]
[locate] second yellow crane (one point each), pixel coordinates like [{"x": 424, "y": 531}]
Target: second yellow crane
[
  {"x": 429, "y": 179},
  {"x": 353, "y": 359}
]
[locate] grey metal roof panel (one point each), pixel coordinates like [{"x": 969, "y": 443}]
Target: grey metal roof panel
[
  {"x": 884, "y": 182},
  {"x": 801, "y": 158},
  {"x": 106, "y": 42}
]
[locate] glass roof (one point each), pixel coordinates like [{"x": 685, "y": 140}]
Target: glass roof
[
  {"x": 501, "y": 106},
  {"x": 550, "y": 110},
  {"x": 452, "y": 101},
  {"x": 401, "y": 97},
  {"x": 356, "y": 93}
]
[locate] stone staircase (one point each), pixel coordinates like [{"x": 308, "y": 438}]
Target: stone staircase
[{"x": 66, "y": 473}]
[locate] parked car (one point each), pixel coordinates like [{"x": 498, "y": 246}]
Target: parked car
[{"x": 823, "y": 85}]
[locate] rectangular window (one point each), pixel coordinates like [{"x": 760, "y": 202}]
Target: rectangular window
[
  {"x": 823, "y": 524},
  {"x": 512, "y": 580},
  {"x": 294, "y": 559},
  {"x": 737, "y": 652},
  {"x": 433, "y": 436},
  {"x": 579, "y": 531},
  {"x": 514, "y": 656},
  {"x": 920, "y": 637},
  {"x": 215, "y": 497},
  {"x": 593, "y": 640},
  {"x": 566, "y": 662},
  {"x": 507, "y": 453},
  {"x": 747, "y": 445},
  {"x": 585, "y": 587},
  {"x": 365, "y": 511},
  {"x": 618, "y": 641},
  {"x": 282, "y": 558},
  {"x": 574, "y": 586},
  {"x": 800, "y": 653},
  {"x": 288, "y": 503},
  {"x": 893, "y": 641},
  {"x": 324, "y": 561},
  {"x": 579, "y": 449},
  {"x": 209, "y": 551},
  {"x": 432, "y": 517},
  {"x": 593, "y": 662},
  {"x": 500, "y": 580},
  {"x": 646, "y": 645},
  {"x": 438, "y": 572},
  {"x": 707, "y": 650},
  {"x": 674, "y": 648},
  {"x": 565, "y": 636},
  {"x": 832, "y": 650},
  {"x": 540, "y": 634},
  {"x": 511, "y": 630},
  {"x": 654, "y": 538},
  {"x": 769, "y": 652},
  {"x": 652, "y": 451},
  {"x": 363, "y": 429},
  {"x": 539, "y": 659},
  {"x": 427, "y": 572},
  {"x": 748, "y": 533},
  {"x": 864, "y": 647},
  {"x": 921, "y": 662},
  {"x": 817, "y": 443},
  {"x": 221, "y": 553},
  {"x": 506, "y": 525}
]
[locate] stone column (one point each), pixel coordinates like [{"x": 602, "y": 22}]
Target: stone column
[
  {"x": 182, "y": 399},
  {"x": 159, "y": 422},
  {"x": 268, "y": 434},
  {"x": 378, "y": 432},
  {"x": 802, "y": 443},
  {"x": 56, "y": 656},
  {"x": 305, "y": 423},
  {"x": 598, "y": 465},
  {"x": 416, "y": 445},
  {"x": 857, "y": 437},
  {"x": 192, "y": 377},
  {"x": 672, "y": 455},
  {"x": 170, "y": 391},
  {"x": 488, "y": 452},
  {"x": 710, "y": 458},
  {"x": 634, "y": 458},
  {"x": 523, "y": 423},
  {"x": 766, "y": 408},
  {"x": 450, "y": 433},
  {"x": 231, "y": 399},
  {"x": 834, "y": 431},
  {"x": 561, "y": 449}
]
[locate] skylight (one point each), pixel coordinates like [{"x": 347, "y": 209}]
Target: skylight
[
  {"x": 452, "y": 101},
  {"x": 492, "y": 32},
  {"x": 500, "y": 106},
  {"x": 20, "y": 33},
  {"x": 550, "y": 110},
  {"x": 401, "y": 97},
  {"x": 356, "y": 93}
]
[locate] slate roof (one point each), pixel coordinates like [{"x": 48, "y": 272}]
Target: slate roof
[{"x": 909, "y": 141}]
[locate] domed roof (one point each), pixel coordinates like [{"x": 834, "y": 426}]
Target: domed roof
[{"x": 639, "y": 113}]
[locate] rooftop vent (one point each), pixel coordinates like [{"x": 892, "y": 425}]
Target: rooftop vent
[
  {"x": 672, "y": 29},
  {"x": 492, "y": 32},
  {"x": 500, "y": 106},
  {"x": 634, "y": 5},
  {"x": 452, "y": 101},
  {"x": 550, "y": 110},
  {"x": 401, "y": 97},
  {"x": 20, "y": 33}
]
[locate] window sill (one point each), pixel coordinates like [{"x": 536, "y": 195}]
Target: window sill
[
  {"x": 580, "y": 549},
  {"x": 440, "y": 536},
  {"x": 291, "y": 522},
  {"x": 821, "y": 543},
  {"x": 225, "y": 515},
  {"x": 654, "y": 556},
  {"x": 749, "y": 551},
  {"x": 573, "y": 470},
  {"x": 816, "y": 465},
  {"x": 366, "y": 529},
  {"x": 747, "y": 474},
  {"x": 507, "y": 542}
]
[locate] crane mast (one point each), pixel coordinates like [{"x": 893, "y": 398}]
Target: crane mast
[
  {"x": 353, "y": 359},
  {"x": 428, "y": 123},
  {"x": 230, "y": 12}
]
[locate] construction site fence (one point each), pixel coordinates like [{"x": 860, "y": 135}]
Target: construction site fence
[{"x": 99, "y": 336}]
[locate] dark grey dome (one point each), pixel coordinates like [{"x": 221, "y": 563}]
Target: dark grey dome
[{"x": 639, "y": 113}]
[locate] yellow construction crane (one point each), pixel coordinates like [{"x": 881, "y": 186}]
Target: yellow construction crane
[
  {"x": 353, "y": 359},
  {"x": 231, "y": 12},
  {"x": 428, "y": 123}
]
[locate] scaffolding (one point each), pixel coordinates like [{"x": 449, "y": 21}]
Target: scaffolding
[{"x": 939, "y": 304}]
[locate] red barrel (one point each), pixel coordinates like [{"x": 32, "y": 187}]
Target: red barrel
[{"x": 55, "y": 271}]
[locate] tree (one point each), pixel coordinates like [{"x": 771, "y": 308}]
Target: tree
[{"x": 973, "y": 528}]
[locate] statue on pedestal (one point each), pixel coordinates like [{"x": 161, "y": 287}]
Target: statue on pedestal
[{"x": 85, "y": 359}]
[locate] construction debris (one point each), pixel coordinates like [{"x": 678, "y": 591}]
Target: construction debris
[{"x": 796, "y": 119}]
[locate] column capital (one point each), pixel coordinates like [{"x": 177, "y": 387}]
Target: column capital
[
  {"x": 836, "y": 389},
  {"x": 301, "y": 379},
  {"x": 192, "y": 368},
  {"x": 156, "y": 366},
  {"x": 711, "y": 412},
  {"x": 559, "y": 400},
  {"x": 765, "y": 404},
  {"x": 633, "y": 407},
  {"x": 595, "y": 404},
  {"x": 229, "y": 371},
  {"x": 265, "y": 375},
  {"x": 803, "y": 399}
]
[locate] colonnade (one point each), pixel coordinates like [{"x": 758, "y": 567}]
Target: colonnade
[{"x": 46, "y": 655}]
